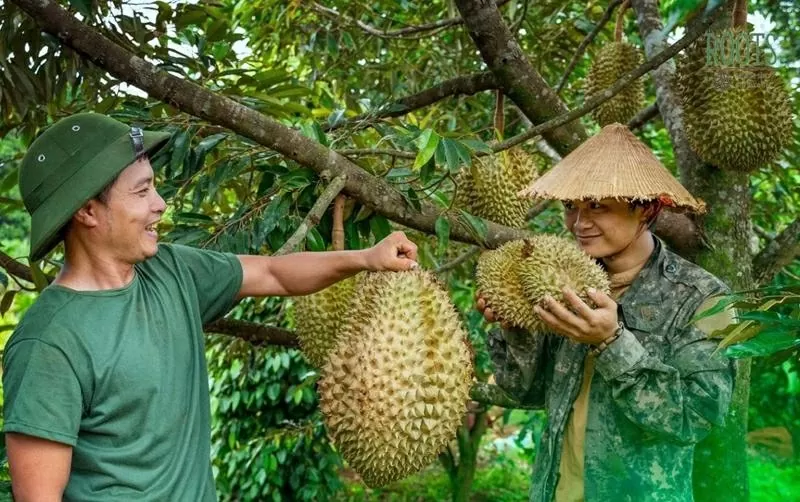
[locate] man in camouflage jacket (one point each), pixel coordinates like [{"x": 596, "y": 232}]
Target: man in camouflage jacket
[{"x": 660, "y": 392}]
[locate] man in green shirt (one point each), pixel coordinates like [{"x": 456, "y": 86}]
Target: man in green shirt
[{"x": 105, "y": 379}]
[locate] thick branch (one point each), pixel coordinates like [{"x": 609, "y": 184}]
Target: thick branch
[
  {"x": 680, "y": 232},
  {"x": 220, "y": 110},
  {"x": 254, "y": 333},
  {"x": 586, "y": 42},
  {"x": 778, "y": 253},
  {"x": 644, "y": 116},
  {"x": 463, "y": 85},
  {"x": 314, "y": 215},
  {"x": 15, "y": 268},
  {"x": 515, "y": 75}
]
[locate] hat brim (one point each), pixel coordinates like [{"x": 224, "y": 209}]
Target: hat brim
[{"x": 49, "y": 218}]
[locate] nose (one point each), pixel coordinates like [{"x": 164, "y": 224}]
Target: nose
[
  {"x": 582, "y": 220},
  {"x": 159, "y": 206}
]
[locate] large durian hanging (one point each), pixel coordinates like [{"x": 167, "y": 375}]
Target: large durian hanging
[
  {"x": 395, "y": 389},
  {"x": 519, "y": 274},
  {"x": 736, "y": 118},
  {"x": 489, "y": 187},
  {"x": 612, "y": 62},
  {"x": 318, "y": 319}
]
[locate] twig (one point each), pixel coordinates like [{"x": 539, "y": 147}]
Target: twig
[
  {"x": 254, "y": 333},
  {"x": 585, "y": 43},
  {"x": 435, "y": 26},
  {"x": 462, "y": 85},
  {"x": 492, "y": 394},
  {"x": 612, "y": 91},
  {"x": 618, "y": 29},
  {"x": 459, "y": 260},
  {"x": 538, "y": 209},
  {"x": 338, "y": 223},
  {"x": 355, "y": 152},
  {"x": 643, "y": 117},
  {"x": 314, "y": 215}
]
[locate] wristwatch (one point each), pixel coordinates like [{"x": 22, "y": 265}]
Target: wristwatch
[{"x": 596, "y": 351}]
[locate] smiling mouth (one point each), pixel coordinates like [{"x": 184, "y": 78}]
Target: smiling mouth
[
  {"x": 587, "y": 236},
  {"x": 151, "y": 227}
]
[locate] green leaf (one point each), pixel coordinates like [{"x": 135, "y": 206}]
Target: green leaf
[
  {"x": 427, "y": 143},
  {"x": 452, "y": 156},
  {"x": 477, "y": 145},
  {"x": 82, "y": 6},
  {"x": 7, "y": 301},
  {"x": 442, "y": 234},
  {"x": 765, "y": 343},
  {"x": 3, "y": 280},
  {"x": 179, "y": 151},
  {"x": 274, "y": 391},
  {"x": 476, "y": 226},
  {"x": 412, "y": 199},
  {"x": 315, "y": 241},
  {"x": 236, "y": 368},
  {"x": 380, "y": 227},
  {"x": 193, "y": 217},
  {"x": 39, "y": 279}
]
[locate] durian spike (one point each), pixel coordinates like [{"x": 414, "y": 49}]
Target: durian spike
[
  {"x": 338, "y": 223},
  {"x": 621, "y": 20}
]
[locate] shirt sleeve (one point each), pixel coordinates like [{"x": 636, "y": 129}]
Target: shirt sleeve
[
  {"x": 521, "y": 364},
  {"x": 679, "y": 398},
  {"x": 217, "y": 277},
  {"x": 42, "y": 393}
]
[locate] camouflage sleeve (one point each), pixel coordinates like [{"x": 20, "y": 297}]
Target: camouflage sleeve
[
  {"x": 521, "y": 363},
  {"x": 680, "y": 398}
]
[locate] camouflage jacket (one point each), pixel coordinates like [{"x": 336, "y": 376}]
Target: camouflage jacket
[{"x": 657, "y": 390}]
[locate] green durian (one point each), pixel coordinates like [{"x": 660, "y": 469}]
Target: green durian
[
  {"x": 612, "y": 62},
  {"x": 395, "y": 389},
  {"x": 519, "y": 274},
  {"x": 489, "y": 187},
  {"x": 318, "y": 319},
  {"x": 736, "y": 117}
]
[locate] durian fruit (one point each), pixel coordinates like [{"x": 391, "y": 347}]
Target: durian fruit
[
  {"x": 318, "y": 319},
  {"x": 736, "y": 118},
  {"x": 489, "y": 187},
  {"x": 519, "y": 274},
  {"x": 395, "y": 389},
  {"x": 612, "y": 62}
]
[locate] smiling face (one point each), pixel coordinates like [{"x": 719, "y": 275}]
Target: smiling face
[
  {"x": 127, "y": 214},
  {"x": 606, "y": 227}
]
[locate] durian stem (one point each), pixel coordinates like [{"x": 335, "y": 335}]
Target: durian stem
[
  {"x": 337, "y": 236},
  {"x": 740, "y": 13},
  {"x": 621, "y": 20},
  {"x": 499, "y": 116}
]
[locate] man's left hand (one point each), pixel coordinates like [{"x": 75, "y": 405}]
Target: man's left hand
[
  {"x": 582, "y": 324},
  {"x": 394, "y": 253}
]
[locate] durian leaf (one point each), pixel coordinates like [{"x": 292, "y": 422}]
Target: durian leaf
[
  {"x": 314, "y": 240},
  {"x": 452, "y": 157},
  {"x": 380, "y": 227},
  {"x": 8, "y": 299},
  {"x": 463, "y": 153},
  {"x": 477, "y": 145},
  {"x": 765, "y": 344},
  {"x": 475, "y": 226},
  {"x": 720, "y": 306},
  {"x": 442, "y": 235},
  {"x": 427, "y": 143}
]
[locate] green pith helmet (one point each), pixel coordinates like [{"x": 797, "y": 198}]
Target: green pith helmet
[{"x": 71, "y": 162}]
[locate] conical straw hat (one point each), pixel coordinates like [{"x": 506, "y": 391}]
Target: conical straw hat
[{"x": 612, "y": 164}]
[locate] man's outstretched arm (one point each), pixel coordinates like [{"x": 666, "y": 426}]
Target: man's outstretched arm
[
  {"x": 303, "y": 273},
  {"x": 39, "y": 468}
]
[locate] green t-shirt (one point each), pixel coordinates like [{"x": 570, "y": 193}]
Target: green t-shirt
[{"x": 120, "y": 375}]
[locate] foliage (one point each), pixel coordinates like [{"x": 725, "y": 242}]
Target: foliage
[{"x": 268, "y": 439}]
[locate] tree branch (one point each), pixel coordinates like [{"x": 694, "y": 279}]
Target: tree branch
[
  {"x": 15, "y": 268},
  {"x": 586, "y": 42},
  {"x": 254, "y": 333},
  {"x": 314, "y": 215},
  {"x": 188, "y": 97},
  {"x": 515, "y": 75},
  {"x": 778, "y": 253},
  {"x": 357, "y": 152},
  {"x": 459, "y": 260},
  {"x": 644, "y": 116},
  {"x": 463, "y": 85}
]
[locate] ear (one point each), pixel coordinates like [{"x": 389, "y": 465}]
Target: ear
[{"x": 89, "y": 214}]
